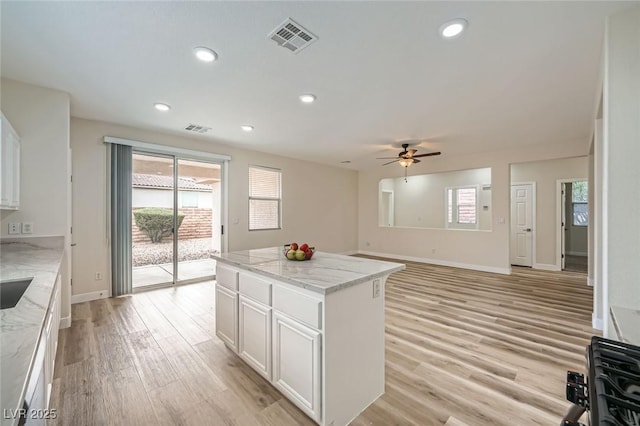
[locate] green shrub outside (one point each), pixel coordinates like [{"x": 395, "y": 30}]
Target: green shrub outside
[{"x": 155, "y": 222}]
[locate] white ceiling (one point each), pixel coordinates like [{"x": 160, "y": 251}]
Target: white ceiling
[{"x": 522, "y": 73}]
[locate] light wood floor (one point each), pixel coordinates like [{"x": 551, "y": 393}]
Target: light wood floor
[{"x": 463, "y": 348}]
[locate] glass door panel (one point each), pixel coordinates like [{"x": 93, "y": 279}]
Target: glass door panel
[
  {"x": 199, "y": 219},
  {"x": 152, "y": 239}
]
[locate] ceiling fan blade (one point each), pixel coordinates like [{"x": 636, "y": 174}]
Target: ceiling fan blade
[
  {"x": 415, "y": 161},
  {"x": 394, "y": 161},
  {"x": 427, "y": 155},
  {"x": 410, "y": 153}
]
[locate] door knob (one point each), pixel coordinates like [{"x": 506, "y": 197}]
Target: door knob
[{"x": 528, "y": 230}]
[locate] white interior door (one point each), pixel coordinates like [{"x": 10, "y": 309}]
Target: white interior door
[{"x": 521, "y": 225}]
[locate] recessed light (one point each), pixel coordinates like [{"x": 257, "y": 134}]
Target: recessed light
[
  {"x": 162, "y": 107},
  {"x": 453, "y": 28},
  {"x": 246, "y": 128},
  {"x": 205, "y": 54},
  {"x": 308, "y": 98}
]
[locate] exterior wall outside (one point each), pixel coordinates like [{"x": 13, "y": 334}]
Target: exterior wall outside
[
  {"x": 161, "y": 197},
  {"x": 196, "y": 224}
]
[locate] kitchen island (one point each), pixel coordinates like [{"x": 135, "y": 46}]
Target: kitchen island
[{"x": 314, "y": 329}]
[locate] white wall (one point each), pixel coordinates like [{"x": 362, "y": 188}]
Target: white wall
[
  {"x": 41, "y": 118},
  {"x": 319, "y": 202},
  {"x": 621, "y": 229},
  {"x": 420, "y": 201},
  {"x": 485, "y": 250},
  {"x": 546, "y": 175}
]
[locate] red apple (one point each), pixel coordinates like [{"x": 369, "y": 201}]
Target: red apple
[
  {"x": 294, "y": 246},
  {"x": 308, "y": 253},
  {"x": 304, "y": 247}
]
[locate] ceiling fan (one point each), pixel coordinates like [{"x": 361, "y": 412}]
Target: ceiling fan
[{"x": 407, "y": 157}]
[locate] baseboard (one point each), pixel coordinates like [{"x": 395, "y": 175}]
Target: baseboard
[
  {"x": 578, "y": 253},
  {"x": 65, "y": 322},
  {"x": 349, "y": 252},
  {"x": 483, "y": 268},
  {"x": 596, "y": 322},
  {"x": 546, "y": 267},
  {"x": 88, "y": 297}
]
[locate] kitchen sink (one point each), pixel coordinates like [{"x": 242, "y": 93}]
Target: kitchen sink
[{"x": 12, "y": 290}]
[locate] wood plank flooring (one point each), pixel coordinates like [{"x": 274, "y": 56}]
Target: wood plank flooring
[{"x": 462, "y": 348}]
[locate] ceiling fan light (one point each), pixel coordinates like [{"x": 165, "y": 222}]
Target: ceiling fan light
[{"x": 406, "y": 162}]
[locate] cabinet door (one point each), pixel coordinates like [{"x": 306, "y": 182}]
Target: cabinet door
[
  {"x": 227, "y": 316},
  {"x": 9, "y": 167},
  {"x": 15, "y": 160},
  {"x": 254, "y": 340},
  {"x": 296, "y": 363}
]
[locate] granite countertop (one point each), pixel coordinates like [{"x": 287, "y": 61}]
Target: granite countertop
[
  {"x": 625, "y": 322},
  {"x": 324, "y": 273},
  {"x": 21, "y": 326}
]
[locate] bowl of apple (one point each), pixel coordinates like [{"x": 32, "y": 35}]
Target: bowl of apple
[{"x": 294, "y": 251}]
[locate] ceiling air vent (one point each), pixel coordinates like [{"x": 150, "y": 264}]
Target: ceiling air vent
[
  {"x": 292, "y": 35},
  {"x": 196, "y": 128}
]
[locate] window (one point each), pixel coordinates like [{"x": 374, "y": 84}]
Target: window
[
  {"x": 265, "y": 198},
  {"x": 188, "y": 199},
  {"x": 462, "y": 207},
  {"x": 579, "y": 203}
]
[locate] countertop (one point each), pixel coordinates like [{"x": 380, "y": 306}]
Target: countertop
[
  {"x": 324, "y": 273},
  {"x": 21, "y": 326},
  {"x": 627, "y": 324}
]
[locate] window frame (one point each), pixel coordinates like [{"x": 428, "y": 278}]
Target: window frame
[
  {"x": 454, "y": 208},
  {"x": 574, "y": 203},
  {"x": 251, "y": 198}
]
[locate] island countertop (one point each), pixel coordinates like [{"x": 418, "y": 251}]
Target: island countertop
[
  {"x": 324, "y": 273},
  {"x": 21, "y": 326}
]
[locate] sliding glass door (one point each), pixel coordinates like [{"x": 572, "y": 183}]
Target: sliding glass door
[
  {"x": 176, "y": 219},
  {"x": 199, "y": 199}
]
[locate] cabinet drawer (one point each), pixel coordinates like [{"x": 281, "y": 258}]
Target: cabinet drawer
[
  {"x": 227, "y": 277},
  {"x": 255, "y": 288},
  {"x": 298, "y": 306}
]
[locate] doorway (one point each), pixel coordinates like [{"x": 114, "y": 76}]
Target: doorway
[
  {"x": 522, "y": 233},
  {"x": 574, "y": 225},
  {"x": 176, "y": 219}
]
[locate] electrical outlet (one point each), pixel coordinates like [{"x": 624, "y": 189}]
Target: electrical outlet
[
  {"x": 14, "y": 228},
  {"x": 27, "y": 227},
  {"x": 433, "y": 251},
  {"x": 98, "y": 276},
  {"x": 376, "y": 288}
]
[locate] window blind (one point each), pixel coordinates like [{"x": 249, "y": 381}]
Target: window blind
[{"x": 265, "y": 197}]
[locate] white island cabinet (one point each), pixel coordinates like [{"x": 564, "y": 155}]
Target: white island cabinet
[{"x": 314, "y": 329}]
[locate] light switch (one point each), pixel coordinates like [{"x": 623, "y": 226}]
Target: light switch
[{"x": 27, "y": 227}]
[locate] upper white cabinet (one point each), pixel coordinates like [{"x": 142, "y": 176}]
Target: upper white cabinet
[{"x": 9, "y": 167}]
